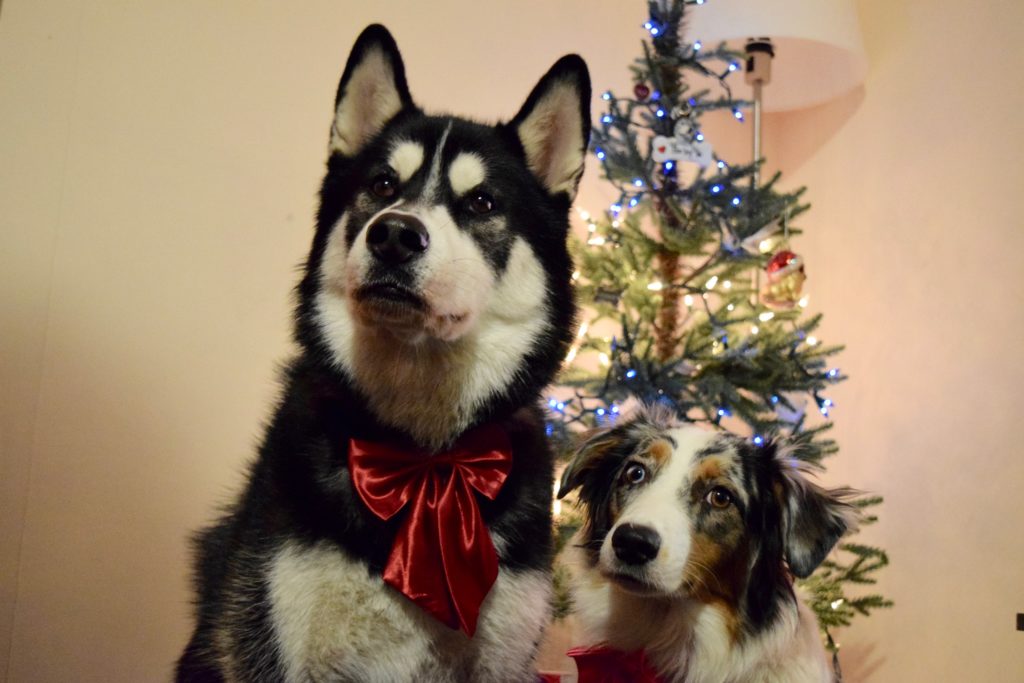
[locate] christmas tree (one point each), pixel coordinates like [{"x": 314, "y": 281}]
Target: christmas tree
[{"x": 692, "y": 295}]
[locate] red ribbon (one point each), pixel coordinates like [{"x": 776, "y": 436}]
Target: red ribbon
[
  {"x": 442, "y": 558},
  {"x": 605, "y": 665}
]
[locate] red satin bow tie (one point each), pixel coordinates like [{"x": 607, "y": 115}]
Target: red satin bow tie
[
  {"x": 605, "y": 665},
  {"x": 443, "y": 558}
]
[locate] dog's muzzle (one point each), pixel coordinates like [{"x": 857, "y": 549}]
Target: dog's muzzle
[{"x": 395, "y": 239}]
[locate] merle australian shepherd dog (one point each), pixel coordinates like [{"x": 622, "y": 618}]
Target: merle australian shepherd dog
[
  {"x": 690, "y": 544},
  {"x": 435, "y": 302}
]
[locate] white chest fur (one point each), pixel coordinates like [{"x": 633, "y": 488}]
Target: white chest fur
[{"x": 333, "y": 621}]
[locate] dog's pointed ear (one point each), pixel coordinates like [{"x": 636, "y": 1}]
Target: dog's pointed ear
[
  {"x": 813, "y": 518},
  {"x": 553, "y": 126},
  {"x": 371, "y": 92}
]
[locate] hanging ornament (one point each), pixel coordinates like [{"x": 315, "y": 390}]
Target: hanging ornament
[
  {"x": 687, "y": 143},
  {"x": 784, "y": 280},
  {"x": 641, "y": 91}
]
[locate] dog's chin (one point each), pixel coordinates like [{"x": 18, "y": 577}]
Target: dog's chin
[
  {"x": 407, "y": 314},
  {"x": 631, "y": 582},
  {"x": 389, "y": 306}
]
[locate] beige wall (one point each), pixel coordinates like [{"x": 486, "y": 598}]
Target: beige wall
[{"x": 159, "y": 165}]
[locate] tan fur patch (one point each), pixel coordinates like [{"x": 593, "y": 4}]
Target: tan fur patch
[
  {"x": 660, "y": 451},
  {"x": 715, "y": 576},
  {"x": 711, "y": 467}
]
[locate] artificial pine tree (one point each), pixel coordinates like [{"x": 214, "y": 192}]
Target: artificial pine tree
[{"x": 692, "y": 297}]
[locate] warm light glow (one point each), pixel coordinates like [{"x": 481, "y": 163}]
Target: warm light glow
[
  {"x": 654, "y": 286},
  {"x": 585, "y": 215},
  {"x": 688, "y": 300},
  {"x": 712, "y": 281},
  {"x": 605, "y": 360},
  {"x": 556, "y": 505},
  {"x": 766, "y": 316},
  {"x": 803, "y": 301},
  {"x": 765, "y": 246},
  {"x": 583, "y": 330},
  {"x": 596, "y": 241},
  {"x": 731, "y": 307},
  {"x": 754, "y": 329},
  {"x": 812, "y": 341},
  {"x": 727, "y": 284},
  {"x": 575, "y": 275}
]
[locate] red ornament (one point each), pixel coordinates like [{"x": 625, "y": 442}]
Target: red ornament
[
  {"x": 641, "y": 91},
  {"x": 785, "y": 280}
]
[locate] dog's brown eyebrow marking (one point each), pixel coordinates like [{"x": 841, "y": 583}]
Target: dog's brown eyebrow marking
[{"x": 660, "y": 451}]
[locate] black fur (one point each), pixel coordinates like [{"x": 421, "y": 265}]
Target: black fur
[{"x": 299, "y": 488}]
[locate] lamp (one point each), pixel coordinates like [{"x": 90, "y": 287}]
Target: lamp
[{"x": 818, "y": 49}]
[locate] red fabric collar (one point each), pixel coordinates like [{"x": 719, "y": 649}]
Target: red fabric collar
[
  {"x": 605, "y": 665},
  {"x": 442, "y": 558}
]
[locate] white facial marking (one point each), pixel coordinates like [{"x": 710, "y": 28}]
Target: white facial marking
[
  {"x": 466, "y": 172},
  {"x": 406, "y": 158},
  {"x": 659, "y": 506},
  {"x": 434, "y": 177}
]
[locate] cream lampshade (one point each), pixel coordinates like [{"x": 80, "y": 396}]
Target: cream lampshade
[{"x": 819, "y": 52}]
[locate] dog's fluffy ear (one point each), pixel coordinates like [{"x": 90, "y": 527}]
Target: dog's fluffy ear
[
  {"x": 553, "y": 126},
  {"x": 814, "y": 518},
  {"x": 372, "y": 91},
  {"x": 603, "y": 449}
]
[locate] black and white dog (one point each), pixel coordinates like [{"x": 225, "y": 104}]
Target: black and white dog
[
  {"x": 436, "y": 300},
  {"x": 687, "y": 552}
]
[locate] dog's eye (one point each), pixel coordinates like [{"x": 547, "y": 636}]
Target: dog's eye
[
  {"x": 481, "y": 203},
  {"x": 384, "y": 186},
  {"x": 634, "y": 474},
  {"x": 719, "y": 497}
]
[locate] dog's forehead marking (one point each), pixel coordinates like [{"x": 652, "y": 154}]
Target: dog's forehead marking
[
  {"x": 434, "y": 176},
  {"x": 466, "y": 172},
  {"x": 406, "y": 158}
]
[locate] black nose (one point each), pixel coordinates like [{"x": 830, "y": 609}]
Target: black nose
[
  {"x": 396, "y": 238},
  {"x": 634, "y": 544}
]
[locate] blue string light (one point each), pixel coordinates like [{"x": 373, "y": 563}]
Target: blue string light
[
  {"x": 724, "y": 412},
  {"x": 656, "y": 95},
  {"x": 600, "y": 153},
  {"x": 736, "y": 201},
  {"x": 631, "y": 373},
  {"x": 697, "y": 45},
  {"x": 738, "y": 114},
  {"x": 722, "y": 164},
  {"x": 607, "y": 95},
  {"x": 607, "y": 118},
  {"x": 699, "y": 137},
  {"x": 715, "y": 189},
  {"x": 638, "y": 182},
  {"x": 669, "y": 166},
  {"x": 733, "y": 66},
  {"x": 615, "y": 410},
  {"x": 833, "y": 373},
  {"x": 758, "y": 440},
  {"x": 599, "y": 412},
  {"x": 692, "y": 102},
  {"x": 775, "y": 399},
  {"x": 634, "y": 201},
  {"x": 616, "y": 208},
  {"x": 660, "y": 113}
]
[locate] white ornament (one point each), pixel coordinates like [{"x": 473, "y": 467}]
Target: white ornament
[{"x": 684, "y": 146}]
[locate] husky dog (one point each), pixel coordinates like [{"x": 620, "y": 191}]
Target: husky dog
[
  {"x": 436, "y": 299},
  {"x": 688, "y": 548}
]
